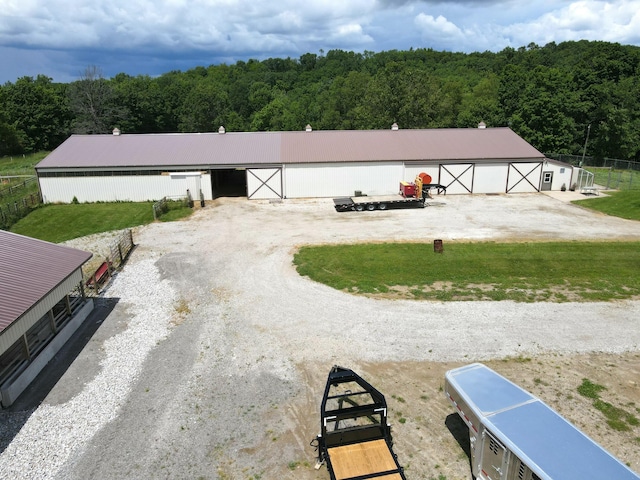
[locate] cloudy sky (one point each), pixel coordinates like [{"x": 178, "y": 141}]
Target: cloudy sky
[{"x": 60, "y": 38}]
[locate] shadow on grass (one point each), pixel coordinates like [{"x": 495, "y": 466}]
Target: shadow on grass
[{"x": 460, "y": 433}]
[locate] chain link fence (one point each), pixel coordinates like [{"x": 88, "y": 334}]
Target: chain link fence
[{"x": 609, "y": 173}]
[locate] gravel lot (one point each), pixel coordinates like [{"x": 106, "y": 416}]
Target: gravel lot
[{"x": 208, "y": 354}]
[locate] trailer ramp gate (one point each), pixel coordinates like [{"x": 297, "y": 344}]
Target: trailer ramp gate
[{"x": 355, "y": 436}]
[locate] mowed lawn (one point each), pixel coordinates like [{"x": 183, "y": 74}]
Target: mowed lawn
[
  {"x": 59, "y": 223},
  {"x": 523, "y": 272},
  {"x": 623, "y": 204}
]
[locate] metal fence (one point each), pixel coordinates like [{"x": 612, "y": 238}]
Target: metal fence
[{"x": 609, "y": 173}]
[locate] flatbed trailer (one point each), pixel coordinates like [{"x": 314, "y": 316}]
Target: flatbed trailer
[
  {"x": 384, "y": 202},
  {"x": 355, "y": 436},
  {"x": 378, "y": 202},
  {"x": 515, "y": 436}
]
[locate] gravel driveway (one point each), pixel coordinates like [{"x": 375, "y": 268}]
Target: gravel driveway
[{"x": 212, "y": 358}]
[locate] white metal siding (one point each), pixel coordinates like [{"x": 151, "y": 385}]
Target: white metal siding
[
  {"x": 561, "y": 175},
  {"x": 490, "y": 178},
  {"x": 134, "y": 188},
  {"x": 334, "y": 180},
  {"x": 264, "y": 183}
]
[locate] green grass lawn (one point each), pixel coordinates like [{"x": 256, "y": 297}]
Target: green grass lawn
[
  {"x": 58, "y": 223},
  {"x": 624, "y": 204},
  {"x": 523, "y": 272},
  {"x": 21, "y": 164}
]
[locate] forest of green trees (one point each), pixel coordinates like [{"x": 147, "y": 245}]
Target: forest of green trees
[{"x": 550, "y": 95}]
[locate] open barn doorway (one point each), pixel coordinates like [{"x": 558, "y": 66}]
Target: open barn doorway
[{"x": 231, "y": 182}]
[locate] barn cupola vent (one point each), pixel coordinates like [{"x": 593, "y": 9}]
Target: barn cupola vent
[
  {"x": 221, "y": 129},
  {"x": 308, "y": 128},
  {"x": 482, "y": 125},
  {"x": 394, "y": 127},
  {"x": 116, "y": 131}
]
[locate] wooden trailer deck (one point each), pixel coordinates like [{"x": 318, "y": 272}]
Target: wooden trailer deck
[
  {"x": 364, "y": 460},
  {"x": 355, "y": 434}
]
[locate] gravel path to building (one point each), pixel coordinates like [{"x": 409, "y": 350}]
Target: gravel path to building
[{"x": 212, "y": 362}]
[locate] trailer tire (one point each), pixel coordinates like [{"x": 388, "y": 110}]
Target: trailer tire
[
  {"x": 371, "y": 207},
  {"x": 382, "y": 206},
  {"x": 359, "y": 208}
]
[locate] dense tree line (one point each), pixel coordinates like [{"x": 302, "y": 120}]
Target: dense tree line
[{"x": 550, "y": 95}]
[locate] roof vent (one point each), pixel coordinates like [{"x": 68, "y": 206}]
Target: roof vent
[
  {"x": 308, "y": 128},
  {"x": 482, "y": 125},
  {"x": 221, "y": 129},
  {"x": 394, "y": 126},
  {"x": 116, "y": 131}
]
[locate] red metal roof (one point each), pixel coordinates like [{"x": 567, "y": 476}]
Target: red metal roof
[
  {"x": 256, "y": 148},
  {"x": 29, "y": 270}
]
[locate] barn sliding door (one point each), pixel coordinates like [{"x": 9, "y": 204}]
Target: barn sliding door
[
  {"x": 264, "y": 183},
  {"x": 524, "y": 177}
]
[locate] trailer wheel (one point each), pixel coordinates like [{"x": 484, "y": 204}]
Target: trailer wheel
[
  {"x": 371, "y": 207},
  {"x": 359, "y": 208},
  {"x": 382, "y": 206}
]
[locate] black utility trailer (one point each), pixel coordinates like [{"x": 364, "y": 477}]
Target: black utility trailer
[
  {"x": 355, "y": 436},
  {"x": 384, "y": 202}
]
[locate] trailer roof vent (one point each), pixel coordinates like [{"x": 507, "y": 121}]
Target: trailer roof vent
[
  {"x": 221, "y": 129},
  {"x": 482, "y": 125},
  {"x": 116, "y": 131},
  {"x": 394, "y": 126},
  {"x": 308, "y": 128}
]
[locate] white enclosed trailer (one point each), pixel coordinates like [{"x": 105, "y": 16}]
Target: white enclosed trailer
[{"x": 515, "y": 436}]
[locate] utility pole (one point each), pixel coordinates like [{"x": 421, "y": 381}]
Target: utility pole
[{"x": 584, "y": 151}]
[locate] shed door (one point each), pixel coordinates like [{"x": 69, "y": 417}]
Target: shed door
[
  {"x": 458, "y": 177},
  {"x": 492, "y": 457},
  {"x": 264, "y": 183},
  {"x": 547, "y": 178}
]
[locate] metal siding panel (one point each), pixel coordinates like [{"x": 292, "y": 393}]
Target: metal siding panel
[
  {"x": 133, "y": 188},
  {"x": 490, "y": 178},
  {"x": 206, "y": 186},
  {"x": 559, "y": 177},
  {"x": 332, "y": 180}
]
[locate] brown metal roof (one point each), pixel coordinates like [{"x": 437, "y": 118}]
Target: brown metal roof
[
  {"x": 29, "y": 269},
  {"x": 405, "y": 145},
  {"x": 256, "y": 148},
  {"x": 165, "y": 150}
]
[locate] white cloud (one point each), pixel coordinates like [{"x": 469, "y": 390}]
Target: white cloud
[
  {"x": 589, "y": 20},
  {"x": 175, "y": 33},
  {"x": 435, "y": 27}
]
